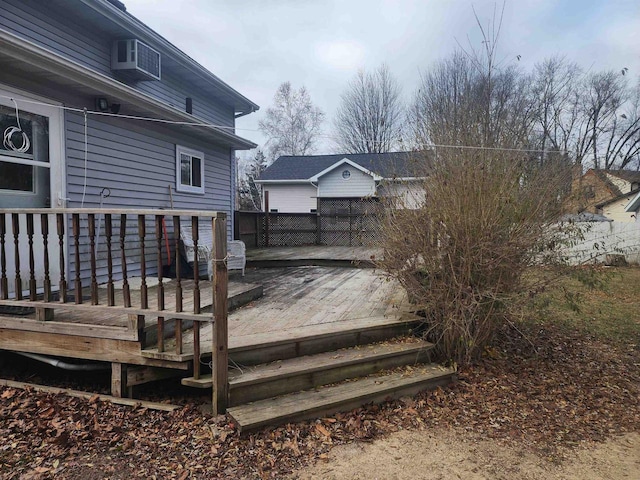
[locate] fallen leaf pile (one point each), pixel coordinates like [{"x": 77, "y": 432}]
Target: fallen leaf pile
[{"x": 572, "y": 389}]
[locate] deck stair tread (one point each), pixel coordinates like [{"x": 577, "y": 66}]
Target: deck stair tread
[
  {"x": 341, "y": 397},
  {"x": 310, "y": 364},
  {"x": 272, "y": 339}
]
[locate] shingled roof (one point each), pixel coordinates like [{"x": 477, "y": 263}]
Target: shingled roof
[{"x": 304, "y": 167}]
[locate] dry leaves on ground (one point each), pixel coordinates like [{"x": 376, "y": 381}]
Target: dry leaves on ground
[{"x": 573, "y": 389}]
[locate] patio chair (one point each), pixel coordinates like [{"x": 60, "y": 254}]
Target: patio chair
[{"x": 236, "y": 250}]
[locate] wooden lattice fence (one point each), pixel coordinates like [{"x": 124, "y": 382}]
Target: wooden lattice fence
[{"x": 337, "y": 222}]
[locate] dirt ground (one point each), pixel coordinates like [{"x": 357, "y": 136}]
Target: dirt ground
[{"x": 447, "y": 454}]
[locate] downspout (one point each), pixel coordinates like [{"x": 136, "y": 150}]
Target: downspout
[{"x": 87, "y": 367}]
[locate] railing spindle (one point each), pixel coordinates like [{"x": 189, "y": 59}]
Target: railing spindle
[
  {"x": 15, "y": 220},
  {"x": 159, "y": 219},
  {"x": 32, "y": 260},
  {"x": 92, "y": 257},
  {"x": 144, "y": 299},
  {"x": 196, "y": 349},
  {"x": 196, "y": 267},
  {"x": 63, "y": 280},
  {"x": 4, "y": 283},
  {"x": 44, "y": 227},
  {"x": 126, "y": 293},
  {"x": 108, "y": 231},
  {"x": 75, "y": 221},
  {"x": 176, "y": 230}
]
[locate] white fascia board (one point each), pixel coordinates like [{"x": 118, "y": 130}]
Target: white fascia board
[
  {"x": 283, "y": 182},
  {"x": 345, "y": 160},
  {"x": 405, "y": 179},
  {"x": 634, "y": 204},
  {"x": 28, "y": 52}
]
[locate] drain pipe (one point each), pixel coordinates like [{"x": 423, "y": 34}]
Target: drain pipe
[{"x": 87, "y": 367}]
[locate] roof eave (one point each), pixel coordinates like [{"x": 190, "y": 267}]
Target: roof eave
[
  {"x": 146, "y": 34},
  {"x": 31, "y": 53},
  {"x": 634, "y": 204}
]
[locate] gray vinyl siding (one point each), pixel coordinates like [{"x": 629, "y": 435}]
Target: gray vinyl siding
[
  {"x": 359, "y": 183},
  {"x": 60, "y": 31},
  {"x": 137, "y": 164}
]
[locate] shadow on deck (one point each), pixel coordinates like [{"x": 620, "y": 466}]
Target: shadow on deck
[{"x": 328, "y": 256}]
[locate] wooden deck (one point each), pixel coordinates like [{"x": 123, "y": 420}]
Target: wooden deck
[
  {"x": 313, "y": 256},
  {"x": 306, "y": 301}
]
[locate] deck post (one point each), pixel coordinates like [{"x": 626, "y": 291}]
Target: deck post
[
  {"x": 267, "y": 220},
  {"x": 318, "y": 222},
  {"x": 220, "y": 336},
  {"x": 119, "y": 380}
]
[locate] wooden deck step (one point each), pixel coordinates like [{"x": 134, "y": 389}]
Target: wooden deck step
[
  {"x": 342, "y": 397},
  {"x": 280, "y": 345},
  {"x": 278, "y": 378}
]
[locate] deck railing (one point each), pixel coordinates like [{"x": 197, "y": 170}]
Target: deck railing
[{"x": 62, "y": 256}]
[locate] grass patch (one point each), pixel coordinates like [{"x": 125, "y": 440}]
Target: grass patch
[{"x": 605, "y": 306}]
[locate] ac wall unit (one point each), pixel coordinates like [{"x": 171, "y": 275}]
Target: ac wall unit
[{"x": 135, "y": 60}]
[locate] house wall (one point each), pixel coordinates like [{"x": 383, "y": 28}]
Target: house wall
[
  {"x": 403, "y": 195},
  {"x": 359, "y": 184},
  {"x": 137, "y": 163},
  {"x": 65, "y": 33},
  {"x": 291, "y": 198},
  {"x": 615, "y": 211}
]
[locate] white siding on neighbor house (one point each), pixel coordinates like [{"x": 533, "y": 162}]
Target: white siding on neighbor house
[
  {"x": 359, "y": 184},
  {"x": 403, "y": 195},
  {"x": 292, "y": 198},
  {"x": 615, "y": 211}
]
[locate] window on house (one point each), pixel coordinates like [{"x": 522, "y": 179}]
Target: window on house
[
  {"x": 189, "y": 170},
  {"x": 24, "y": 152}
]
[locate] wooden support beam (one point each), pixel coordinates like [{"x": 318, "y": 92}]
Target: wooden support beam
[
  {"x": 88, "y": 395},
  {"x": 119, "y": 380},
  {"x": 220, "y": 354}
]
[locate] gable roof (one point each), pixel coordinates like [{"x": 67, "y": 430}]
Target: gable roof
[
  {"x": 307, "y": 167},
  {"x": 630, "y": 176},
  {"x": 617, "y": 198}
]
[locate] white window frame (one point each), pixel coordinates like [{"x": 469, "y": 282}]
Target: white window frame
[{"x": 180, "y": 150}]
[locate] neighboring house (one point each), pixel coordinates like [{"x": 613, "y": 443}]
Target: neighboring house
[
  {"x": 293, "y": 184},
  {"x": 606, "y": 192},
  {"x": 615, "y": 208},
  {"x": 59, "y": 57}
]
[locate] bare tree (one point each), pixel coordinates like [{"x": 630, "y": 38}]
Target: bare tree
[
  {"x": 458, "y": 102},
  {"x": 292, "y": 124},
  {"x": 249, "y": 192},
  {"x": 370, "y": 115},
  {"x": 594, "y": 117},
  {"x": 463, "y": 254},
  {"x": 554, "y": 89}
]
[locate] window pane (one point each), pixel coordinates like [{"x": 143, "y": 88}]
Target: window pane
[
  {"x": 36, "y": 129},
  {"x": 196, "y": 165},
  {"x": 185, "y": 169},
  {"x": 16, "y": 177}
]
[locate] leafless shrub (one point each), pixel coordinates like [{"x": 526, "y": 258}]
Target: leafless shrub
[{"x": 463, "y": 254}]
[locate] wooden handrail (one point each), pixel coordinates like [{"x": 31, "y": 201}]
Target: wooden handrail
[
  {"x": 78, "y": 230},
  {"x": 116, "y": 211}
]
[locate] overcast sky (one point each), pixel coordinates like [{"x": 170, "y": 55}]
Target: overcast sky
[{"x": 255, "y": 45}]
